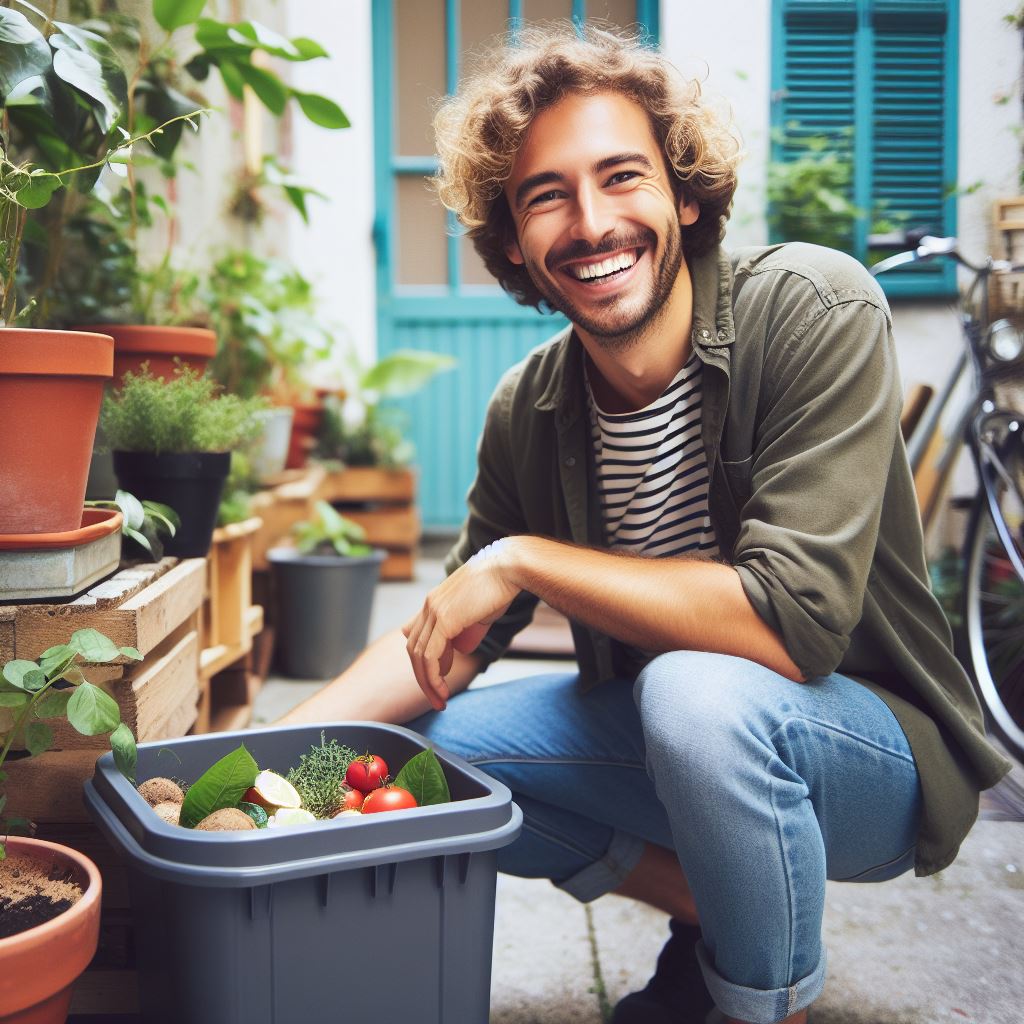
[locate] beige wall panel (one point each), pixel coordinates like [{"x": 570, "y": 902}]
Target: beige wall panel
[
  {"x": 422, "y": 242},
  {"x": 419, "y": 72}
]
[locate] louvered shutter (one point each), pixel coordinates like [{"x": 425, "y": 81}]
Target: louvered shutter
[{"x": 877, "y": 78}]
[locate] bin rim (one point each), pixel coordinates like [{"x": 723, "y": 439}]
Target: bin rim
[{"x": 231, "y": 859}]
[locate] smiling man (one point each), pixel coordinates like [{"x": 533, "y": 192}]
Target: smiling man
[{"x": 705, "y": 473}]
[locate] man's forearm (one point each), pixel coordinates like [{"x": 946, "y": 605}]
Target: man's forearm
[
  {"x": 378, "y": 687},
  {"x": 655, "y": 604}
]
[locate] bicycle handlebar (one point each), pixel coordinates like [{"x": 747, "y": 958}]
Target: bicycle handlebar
[{"x": 919, "y": 245}]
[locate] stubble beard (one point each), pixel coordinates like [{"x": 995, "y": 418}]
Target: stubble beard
[{"x": 618, "y": 332}]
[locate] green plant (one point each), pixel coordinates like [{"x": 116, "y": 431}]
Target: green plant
[
  {"x": 54, "y": 687},
  {"x": 143, "y": 522},
  {"x": 810, "y": 196},
  {"x": 319, "y": 775},
  {"x": 360, "y": 430},
  {"x": 330, "y": 531},
  {"x": 189, "y": 413},
  {"x": 263, "y": 312}
]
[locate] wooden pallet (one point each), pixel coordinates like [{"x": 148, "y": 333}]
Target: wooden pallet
[
  {"x": 154, "y": 608},
  {"x": 382, "y": 502}
]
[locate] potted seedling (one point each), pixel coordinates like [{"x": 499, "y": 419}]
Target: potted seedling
[
  {"x": 324, "y": 589},
  {"x": 144, "y": 525},
  {"x": 50, "y": 894},
  {"x": 172, "y": 443}
]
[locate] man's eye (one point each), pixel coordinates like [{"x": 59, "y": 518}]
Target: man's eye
[
  {"x": 622, "y": 176},
  {"x": 544, "y": 197}
]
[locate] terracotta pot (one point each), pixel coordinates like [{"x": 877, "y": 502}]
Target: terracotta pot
[
  {"x": 135, "y": 344},
  {"x": 96, "y": 523},
  {"x": 51, "y": 386},
  {"x": 39, "y": 966},
  {"x": 305, "y": 427}
]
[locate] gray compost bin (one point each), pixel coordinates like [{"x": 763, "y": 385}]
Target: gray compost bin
[{"x": 387, "y": 918}]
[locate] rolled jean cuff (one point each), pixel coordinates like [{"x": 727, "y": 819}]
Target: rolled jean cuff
[
  {"x": 761, "y": 1006},
  {"x": 608, "y": 873}
]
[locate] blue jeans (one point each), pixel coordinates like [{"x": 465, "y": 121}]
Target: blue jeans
[{"x": 763, "y": 787}]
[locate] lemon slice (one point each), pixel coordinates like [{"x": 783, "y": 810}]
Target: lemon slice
[
  {"x": 288, "y": 816},
  {"x": 274, "y": 791}
]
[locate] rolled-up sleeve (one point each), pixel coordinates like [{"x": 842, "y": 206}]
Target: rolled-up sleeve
[
  {"x": 494, "y": 511},
  {"x": 825, "y": 441}
]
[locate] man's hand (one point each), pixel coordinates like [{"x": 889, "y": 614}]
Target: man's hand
[{"x": 456, "y": 616}]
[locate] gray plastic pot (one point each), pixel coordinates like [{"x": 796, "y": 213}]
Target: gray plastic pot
[{"x": 323, "y": 605}]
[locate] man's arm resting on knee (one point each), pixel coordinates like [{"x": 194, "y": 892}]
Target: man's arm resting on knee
[
  {"x": 658, "y": 604},
  {"x": 378, "y": 687}
]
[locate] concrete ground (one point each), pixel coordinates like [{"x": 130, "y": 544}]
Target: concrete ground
[{"x": 910, "y": 951}]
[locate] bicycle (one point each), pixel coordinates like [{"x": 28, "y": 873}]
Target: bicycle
[{"x": 990, "y": 641}]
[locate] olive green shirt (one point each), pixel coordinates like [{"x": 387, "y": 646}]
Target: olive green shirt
[{"x": 811, "y": 498}]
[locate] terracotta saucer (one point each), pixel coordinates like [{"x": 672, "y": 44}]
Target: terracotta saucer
[{"x": 96, "y": 523}]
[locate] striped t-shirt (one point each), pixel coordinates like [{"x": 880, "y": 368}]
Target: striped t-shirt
[{"x": 652, "y": 473}]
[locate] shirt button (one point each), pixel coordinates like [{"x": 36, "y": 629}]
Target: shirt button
[
  {"x": 705, "y": 334},
  {"x": 722, "y": 335},
  {"x": 571, "y": 461}
]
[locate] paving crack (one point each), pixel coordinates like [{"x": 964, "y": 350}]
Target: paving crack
[{"x": 599, "y": 989}]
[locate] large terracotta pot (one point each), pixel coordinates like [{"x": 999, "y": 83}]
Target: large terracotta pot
[
  {"x": 51, "y": 387},
  {"x": 305, "y": 427},
  {"x": 39, "y": 966},
  {"x": 135, "y": 344}
]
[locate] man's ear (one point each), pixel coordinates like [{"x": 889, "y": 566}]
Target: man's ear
[
  {"x": 514, "y": 253},
  {"x": 689, "y": 211}
]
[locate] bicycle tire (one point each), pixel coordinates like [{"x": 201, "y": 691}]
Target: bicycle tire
[{"x": 994, "y": 586}]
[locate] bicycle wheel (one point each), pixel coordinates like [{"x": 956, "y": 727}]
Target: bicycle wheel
[{"x": 994, "y": 591}]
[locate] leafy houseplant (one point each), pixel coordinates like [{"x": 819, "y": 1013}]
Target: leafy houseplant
[
  {"x": 143, "y": 523},
  {"x": 324, "y": 589},
  {"x": 361, "y": 431},
  {"x": 46, "y": 962},
  {"x": 172, "y": 443}
]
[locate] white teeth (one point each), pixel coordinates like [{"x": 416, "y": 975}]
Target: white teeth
[{"x": 587, "y": 271}]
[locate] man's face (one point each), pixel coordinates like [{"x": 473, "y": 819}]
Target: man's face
[{"x": 597, "y": 224}]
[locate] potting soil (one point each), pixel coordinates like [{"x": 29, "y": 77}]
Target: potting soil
[{"x": 32, "y": 893}]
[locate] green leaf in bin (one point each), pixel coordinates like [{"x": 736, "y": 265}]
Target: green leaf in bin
[
  {"x": 221, "y": 785},
  {"x": 423, "y": 776}
]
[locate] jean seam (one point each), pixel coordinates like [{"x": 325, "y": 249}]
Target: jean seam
[
  {"x": 876, "y": 867},
  {"x": 499, "y": 759},
  {"x": 791, "y": 942},
  {"x": 558, "y": 840},
  {"x": 806, "y": 719}
]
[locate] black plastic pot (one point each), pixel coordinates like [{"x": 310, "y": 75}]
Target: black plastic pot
[
  {"x": 190, "y": 482},
  {"x": 323, "y": 605}
]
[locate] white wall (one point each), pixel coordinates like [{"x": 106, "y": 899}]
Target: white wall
[{"x": 336, "y": 250}]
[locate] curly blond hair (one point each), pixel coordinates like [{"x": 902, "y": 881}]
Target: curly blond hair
[{"x": 480, "y": 129}]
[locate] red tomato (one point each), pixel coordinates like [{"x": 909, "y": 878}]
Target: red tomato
[
  {"x": 366, "y": 773},
  {"x": 389, "y": 798},
  {"x": 351, "y": 799}
]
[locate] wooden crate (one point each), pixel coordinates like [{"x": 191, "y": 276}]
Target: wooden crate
[
  {"x": 281, "y": 507},
  {"x": 154, "y": 608},
  {"x": 382, "y": 501}
]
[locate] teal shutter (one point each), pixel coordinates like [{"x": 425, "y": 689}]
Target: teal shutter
[{"x": 879, "y": 78}]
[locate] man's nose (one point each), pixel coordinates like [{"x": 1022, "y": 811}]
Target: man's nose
[{"x": 595, "y": 215}]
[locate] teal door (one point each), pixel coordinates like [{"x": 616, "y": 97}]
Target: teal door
[{"x": 433, "y": 292}]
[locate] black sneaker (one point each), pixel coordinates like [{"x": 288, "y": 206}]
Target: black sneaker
[{"x": 677, "y": 993}]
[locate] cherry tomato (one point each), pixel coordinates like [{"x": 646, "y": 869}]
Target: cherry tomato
[
  {"x": 389, "y": 798},
  {"x": 351, "y": 799},
  {"x": 366, "y": 773}
]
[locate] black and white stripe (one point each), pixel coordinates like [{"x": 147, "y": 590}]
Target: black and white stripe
[{"x": 652, "y": 472}]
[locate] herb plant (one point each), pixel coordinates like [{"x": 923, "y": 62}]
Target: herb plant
[
  {"x": 330, "y": 531},
  {"x": 319, "y": 775},
  {"x": 188, "y": 413},
  {"x": 54, "y": 686}
]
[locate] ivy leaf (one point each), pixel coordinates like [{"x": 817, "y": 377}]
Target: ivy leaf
[
  {"x": 126, "y": 754},
  {"x": 423, "y": 776},
  {"x": 272, "y": 92},
  {"x": 38, "y": 738},
  {"x": 172, "y": 14},
  {"x": 24, "y": 52},
  {"x": 36, "y": 189},
  {"x": 54, "y": 704},
  {"x": 91, "y": 711},
  {"x": 93, "y": 646},
  {"x": 320, "y": 110},
  {"x": 221, "y": 785}
]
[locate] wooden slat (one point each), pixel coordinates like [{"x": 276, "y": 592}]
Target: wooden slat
[
  {"x": 914, "y": 406},
  {"x": 142, "y": 621},
  {"x": 392, "y": 527},
  {"x": 364, "y": 483},
  {"x": 398, "y": 566},
  {"x": 215, "y": 659},
  {"x": 48, "y": 788}
]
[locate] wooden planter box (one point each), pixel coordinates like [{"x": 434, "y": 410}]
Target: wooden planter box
[
  {"x": 230, "y": 621},
  {"x": 382, "y": 502},
  {"x": 281, "y": 507}
]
